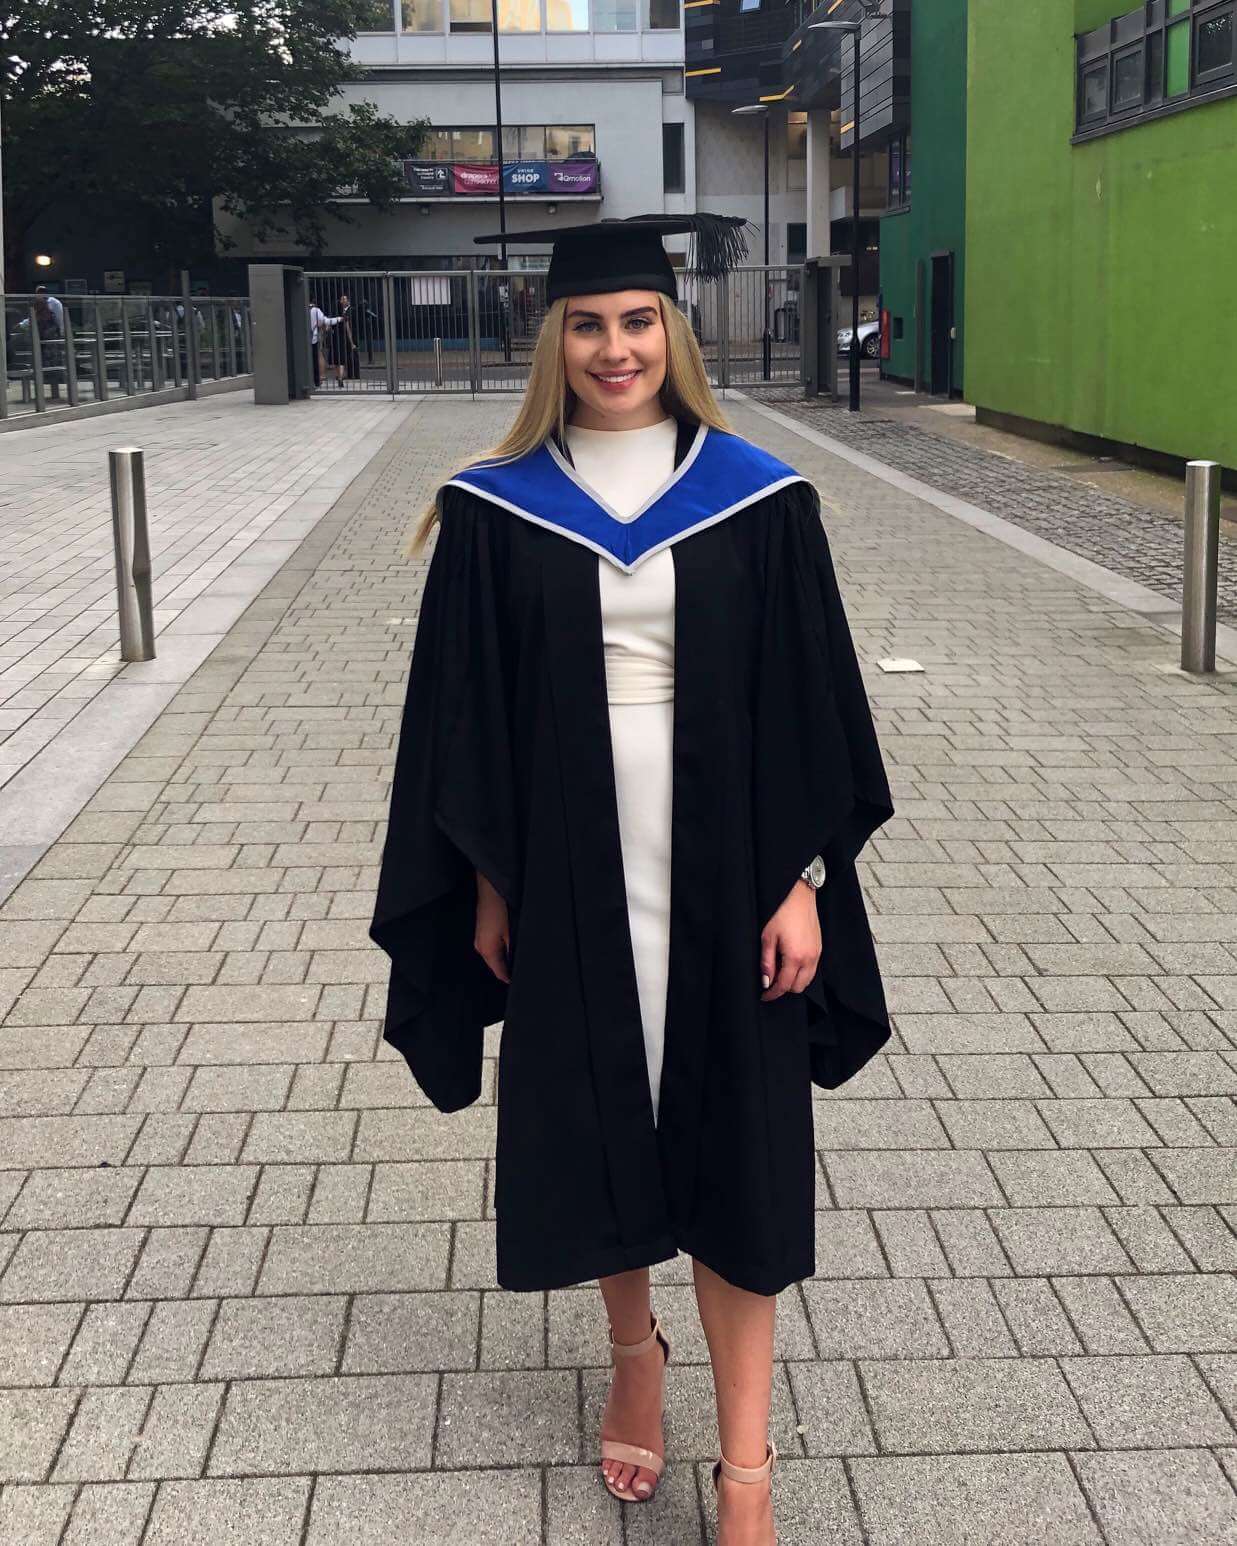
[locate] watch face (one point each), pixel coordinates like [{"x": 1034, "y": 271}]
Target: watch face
[{"x": 817, "y": 871}]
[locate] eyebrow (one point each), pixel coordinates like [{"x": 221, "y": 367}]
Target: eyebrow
[{"x": 596, "y": 315}]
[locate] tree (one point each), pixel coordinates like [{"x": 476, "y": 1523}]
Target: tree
[{"x": 136, "y": 114}]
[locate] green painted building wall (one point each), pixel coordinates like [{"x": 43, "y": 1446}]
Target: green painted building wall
[
  {"x": 1100, "y": 292},
  {"x": 935, "y": 219}
]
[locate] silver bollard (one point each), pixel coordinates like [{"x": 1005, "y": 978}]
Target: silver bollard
[
  {"x": 131, "y": 537},
  {"x": 438, "y": 362},
  {"x": 1202, "y": 566}
]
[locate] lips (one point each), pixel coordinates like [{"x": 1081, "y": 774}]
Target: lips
[{"x": 615, "y": 381}]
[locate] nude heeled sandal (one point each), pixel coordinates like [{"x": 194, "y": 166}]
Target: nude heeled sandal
[
  {"x": 749, "y": 1475},
  {"x": 632, "y": 1454}
]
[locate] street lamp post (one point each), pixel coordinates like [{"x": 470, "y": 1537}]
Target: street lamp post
[
  {"x": 766, "y": 341},
  {"x": 502, "y": 203},
  {"x": 854, "y": 28}
]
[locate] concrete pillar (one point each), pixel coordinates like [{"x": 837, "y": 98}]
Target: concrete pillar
[
  {"x": 818, "y": 185},
  {"x": 281, "y": 362}
]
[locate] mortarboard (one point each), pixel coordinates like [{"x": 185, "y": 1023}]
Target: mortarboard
[{"x": 607, "y": 255}]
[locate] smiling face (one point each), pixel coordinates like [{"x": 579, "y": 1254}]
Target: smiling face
[{"x": 614, "y": 353}]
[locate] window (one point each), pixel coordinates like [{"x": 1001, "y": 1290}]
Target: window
[
  {"x": 672, "y": 158},
  {"x": 524, "y": 142},
  {"x": 899, "y": 193},
  {"x": 519, "y": 15},
  {"x": 796, "y": 241},
  {"x": 1213, "y": 47},
  {"x": 566, "y": 15},
  {"x": 472, "y": 144},
  {"x": 470, "y": 16},
  {"x": 663, "y": 16},
  {"x": 376, "y": 16},
  {"x": 1152, "y": 58},
  {"x": 420, "y": 15},
  {"x": 569, "y": 142},
  {"x": 616, "y": 15}
]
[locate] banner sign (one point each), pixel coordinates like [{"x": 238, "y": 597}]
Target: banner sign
[
  {"x": 434, "y": 179},
  {"x": 572, "y": 176},
  {"x": 474, "y": 178},
  {"x": 427, "y": 179}
]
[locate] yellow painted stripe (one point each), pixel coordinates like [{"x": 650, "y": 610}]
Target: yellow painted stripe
[
  {"x": 833, "y": 7},
  {"x": 691, "y": 4},
  {"x": 716, "y": 70},
  {"x": 780, "y": 96},
  {"x": 847, "y": 127}
]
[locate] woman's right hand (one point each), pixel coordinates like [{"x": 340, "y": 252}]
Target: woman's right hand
[{"x": 493, "y": 935}]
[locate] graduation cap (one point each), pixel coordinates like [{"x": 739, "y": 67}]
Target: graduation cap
[{"x": 607, "y": 255}]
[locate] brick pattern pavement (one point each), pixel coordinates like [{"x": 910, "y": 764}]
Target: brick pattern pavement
[
  {"x": 1132, "y": 540},
  {"x": 246, "y": 1274}
]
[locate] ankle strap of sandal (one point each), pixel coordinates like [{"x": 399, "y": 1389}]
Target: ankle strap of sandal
[
  {"x": 747, "y": 1474},
  {"x": 635, "y": 1349}
]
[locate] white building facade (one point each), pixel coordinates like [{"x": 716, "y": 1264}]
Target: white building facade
[{"x": 595, "y": 123}]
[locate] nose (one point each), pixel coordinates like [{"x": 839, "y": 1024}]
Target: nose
[{"x": 614, "y": 345}]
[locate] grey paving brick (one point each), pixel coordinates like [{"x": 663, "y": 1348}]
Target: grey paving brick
[
  {"x": 1185, "y": 1314},
  {"x": 513, "y": 1334},
  {"x": 52, "y": 1141},
  {"x": 395, "y": 1333},
  {"x": 814, "y": 1505},
  {"x": 424, "y": 1135},
  {"x": 173, "y": 1341},
  {"x": 831, "y": 1409},
  {"x": 340, "y": 1194},
  {"x": 877, "y": 1124},
  {"x": 194, "y": 1194},
  {"x": 105, "y": 1429},
  {"x": 32, "y": 1423},
  {"x": 231, "y": 1262},
  {"x": 972, "y": 1319},
  {"x": 986, "y": 1404},
  {"x": 945, "y": 1179},
  {"x": 1058, "y": 1240},
  {"x": 1165, "y": 1498},
  {"x": 894, "y": 1319},
  {"x": 978, "y": 1075},
  {"x": 282, "y": 1194},
  {"x": 1147, "y": 1240},
  {"x": 503, "y": 1507},
  {"x": 109, "y": 1514},
  {"x": 1035, "y": 1316},
  {"x": 1210, "y": 1242},
  {"x": 245, "y": 1087},
  {"x": 473, "y": 1255},
  {"x": 265, "y": 1511},
  {"x": 1146, "y": 1402},
  {"x": 994, "y": 1124},
  {"x": 346, "y": 1423},
  {"x": 225, "y": 1041},
  {"x": 847, "y": 1247},
  {"x": 359, "y": 1258},
  {"x": 105, "y": 1344},
  {"x": 578, "y": 1511},
  {"x": 1099, "y": 1315},
  {"x": 507, "y": 1419},
  {"x": 168, "y": 1262},
  {"x": 1199, "y": 1175},
  {"x": 256, "y": 1337},
  {"x": 1042, "y": 1178},
  {"x": 70, "y": 1264},
  {"x": 33, "y": 1341},
  {"x": 910, "y": 1245},
  {"x": 970, "y": 1244},
  {"x": 34, "y": 1516},
  {"x": 177, "y": 1432},
  {"x": 1096, "y": 1124},
  {"x": 284, "y": 1137}
]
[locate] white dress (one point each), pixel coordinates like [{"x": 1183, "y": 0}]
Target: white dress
[{"x": 637, "y": 626}]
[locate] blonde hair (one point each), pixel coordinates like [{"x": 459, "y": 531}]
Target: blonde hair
[{"x": 548, "y": 400}]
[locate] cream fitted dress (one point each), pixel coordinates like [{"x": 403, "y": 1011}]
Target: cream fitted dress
[{"x": 637, "y": 628}]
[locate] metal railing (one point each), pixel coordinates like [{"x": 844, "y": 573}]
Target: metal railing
[
  {"x": 66, "y": 350},
  {"x": 473, "y": 330}
]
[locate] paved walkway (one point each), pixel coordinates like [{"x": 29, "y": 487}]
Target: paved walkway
[
  {"x": 246, "y": 1275},
  {"x": 231, "y": 491}
]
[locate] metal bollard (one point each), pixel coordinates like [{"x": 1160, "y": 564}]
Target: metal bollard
[
  {"x": 131, "y": 537},
  {"x": 1202, "y": 566},
  {"x": 438, "y": 362}
]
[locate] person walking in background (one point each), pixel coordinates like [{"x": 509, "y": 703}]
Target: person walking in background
[
  {"x": 339, "y": 345},
  {"x": 319, "y": 327},
  {"x": 632, "y": 651}
]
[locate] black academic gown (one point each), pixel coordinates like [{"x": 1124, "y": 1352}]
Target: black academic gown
[{"x": 504, "y": 766}]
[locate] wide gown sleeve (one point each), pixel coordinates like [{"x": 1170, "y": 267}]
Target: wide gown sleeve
[
  {"x": 820, "y": 782},
  {"x": 451, "y": 813}
]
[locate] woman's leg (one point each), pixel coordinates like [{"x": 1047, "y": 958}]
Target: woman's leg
[
  {"x": 738, "y": 1327},
  {"x": 633, "y": 1411}
]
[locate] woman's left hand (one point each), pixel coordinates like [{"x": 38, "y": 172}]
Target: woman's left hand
[{"x": 790, "y": 945}]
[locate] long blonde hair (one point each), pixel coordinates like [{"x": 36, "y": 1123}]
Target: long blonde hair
[{"x": 548, "y": 400}]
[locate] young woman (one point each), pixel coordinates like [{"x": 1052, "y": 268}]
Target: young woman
[{"x": 635, "y": 768}]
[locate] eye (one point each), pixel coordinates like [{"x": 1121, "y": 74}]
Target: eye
[{"x": 641, "y": 324}]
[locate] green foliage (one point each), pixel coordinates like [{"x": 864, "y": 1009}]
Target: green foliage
[{"x": 139, "y": 113}]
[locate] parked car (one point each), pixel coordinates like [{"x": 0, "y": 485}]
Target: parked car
[{"x": 869, "y": 340}]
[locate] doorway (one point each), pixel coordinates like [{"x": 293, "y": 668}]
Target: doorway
[{"x": 942, "y": 324}]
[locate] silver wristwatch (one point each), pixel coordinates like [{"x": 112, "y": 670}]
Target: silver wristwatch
[{"x": 815, "y": 873}]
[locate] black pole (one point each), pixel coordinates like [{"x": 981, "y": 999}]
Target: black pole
[
  {"x": 502, "y": 203},
  {"x": 766, "y": 344},
  {"x": 854, "y": 242}
]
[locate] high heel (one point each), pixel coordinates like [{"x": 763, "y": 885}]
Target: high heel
[
  {"x": 748, "y": 1475},
  {"x": 632, "y": 1454}
]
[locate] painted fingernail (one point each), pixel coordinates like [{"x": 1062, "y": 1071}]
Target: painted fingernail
[{"x": 764, "y": 982}]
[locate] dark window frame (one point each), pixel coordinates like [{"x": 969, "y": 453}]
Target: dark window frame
[
  {"x": 1145, "y": 30},
  {"x": 673, "y": 149},
  {"x": 898, "y": 173}
]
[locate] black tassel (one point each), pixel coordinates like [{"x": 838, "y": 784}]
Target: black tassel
[{"x": 716, "y": 244}]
